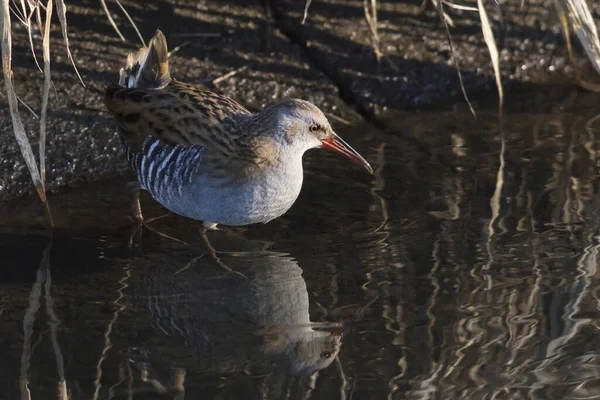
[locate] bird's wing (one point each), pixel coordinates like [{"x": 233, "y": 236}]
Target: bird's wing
[{"x": 176, "y": 114}]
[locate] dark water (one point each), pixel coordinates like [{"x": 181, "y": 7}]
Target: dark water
[{"x": 467, "y": 268}]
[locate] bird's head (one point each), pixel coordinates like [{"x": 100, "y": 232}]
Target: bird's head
[{"x": 300, "y": 125}]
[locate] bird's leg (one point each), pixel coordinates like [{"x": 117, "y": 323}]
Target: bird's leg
[
  {"x": 136, "y": 208},
  {"x": 211, "y": 249}
]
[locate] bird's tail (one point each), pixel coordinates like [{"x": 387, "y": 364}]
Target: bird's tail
[{"x": 148, "y": 68}]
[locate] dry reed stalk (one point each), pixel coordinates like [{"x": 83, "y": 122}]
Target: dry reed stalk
[
  {"x": 27, "y": 23},
  {"x": 370, "y": 7},
  {"x": 490, "y": 42},
  {"x": 371, "y": 17},
  {"x": 47, "y": 84},
  {"x": 488, "y": 37},
  {"x": 29, "y": 8},
  {"x": 18, "y": 127},
  {"x": 576, "y": 14}
]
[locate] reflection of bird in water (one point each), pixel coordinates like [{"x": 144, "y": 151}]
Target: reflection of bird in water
[{"x": 239, "y": 324}]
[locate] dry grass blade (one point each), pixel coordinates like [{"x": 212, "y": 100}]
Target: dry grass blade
[
  {"x": 18, "y": 127},
  {"x": 28, "y": 26},
  {"x": 18, "y": 14},
  {"x": 490, "y": 42},
  {"x": 459, "y": 7},
  {"x": 371, "y": 16},
  {"x": 111, "y": 20},
  {"x": 306, "y": 11},
  {"x": 583, "y": 23},
  {"x": 441, "y": 13},
  {"x": 38, "y": 17},
  {"x": 177, "y": 48},
  {"x": 338, "y": 119},
  {"x": 436, "y": 5},
  {"x": 61, "y": 10},
  {"x": 229, "y": 75},
  {"x": 28, "y": 108},
  {"x": 131, "y": 22},
  {"x": 47, "y": 84},
  {"x": 114, "y": 25},
  {"x": 585, "y": 29}
]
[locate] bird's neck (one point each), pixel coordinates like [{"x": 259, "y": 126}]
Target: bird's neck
[{"x": 251, "y": 153}]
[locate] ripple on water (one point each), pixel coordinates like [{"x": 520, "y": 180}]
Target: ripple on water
[{"x": 466, "y": 271}]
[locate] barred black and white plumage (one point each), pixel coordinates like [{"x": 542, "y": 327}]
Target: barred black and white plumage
[
  {"x": 164, "y": 169},
  {"x": 205, "y": 156}
]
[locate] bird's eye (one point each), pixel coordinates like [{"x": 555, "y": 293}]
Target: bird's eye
[
  {"x": 314, "y": 128},
  {"x": 325, "y": 354}
]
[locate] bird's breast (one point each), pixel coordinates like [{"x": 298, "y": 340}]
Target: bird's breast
[{"x": 241, "y": 200}]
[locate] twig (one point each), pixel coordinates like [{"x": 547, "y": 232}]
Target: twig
[
  {"x": 440, "y": 9},
  {"x": 306, "y": 11},
  {"x": 338, "y": 119},
  {"x": 229, "y": 75},
  {"x": 28, "y": 108},
  {"x": 459, "y": 7}
]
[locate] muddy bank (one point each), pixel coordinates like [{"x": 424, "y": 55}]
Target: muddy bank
[
  {"x": 417, "y": 69},
  {"x": 329, "y": 60},
  {"x": 213, "y": 39}
]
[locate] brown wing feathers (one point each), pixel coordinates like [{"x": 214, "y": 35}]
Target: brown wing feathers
[
  {"x": 148, "y": 68},
  {"x": 154, "y": 104}
]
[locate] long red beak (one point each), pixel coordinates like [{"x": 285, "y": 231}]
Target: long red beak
[{"x": 336, "y": 144}]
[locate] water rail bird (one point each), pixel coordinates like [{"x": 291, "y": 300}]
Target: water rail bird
[{"x": 203, "y": 155}]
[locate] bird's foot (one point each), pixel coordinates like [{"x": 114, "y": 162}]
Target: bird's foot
[
  {"x": 213, "y": 253},
  {"x": 140, "y": 222},
  {"x": 135, "y": 236},
  {"x": 159, "y": 233}
]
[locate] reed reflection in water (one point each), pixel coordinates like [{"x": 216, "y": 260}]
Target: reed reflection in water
[
  {"x": 466, "y": 271},
  {"x": 508, "y": 298}
]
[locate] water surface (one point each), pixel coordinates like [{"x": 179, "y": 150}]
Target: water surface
[{"x": 466, "y": 268}]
